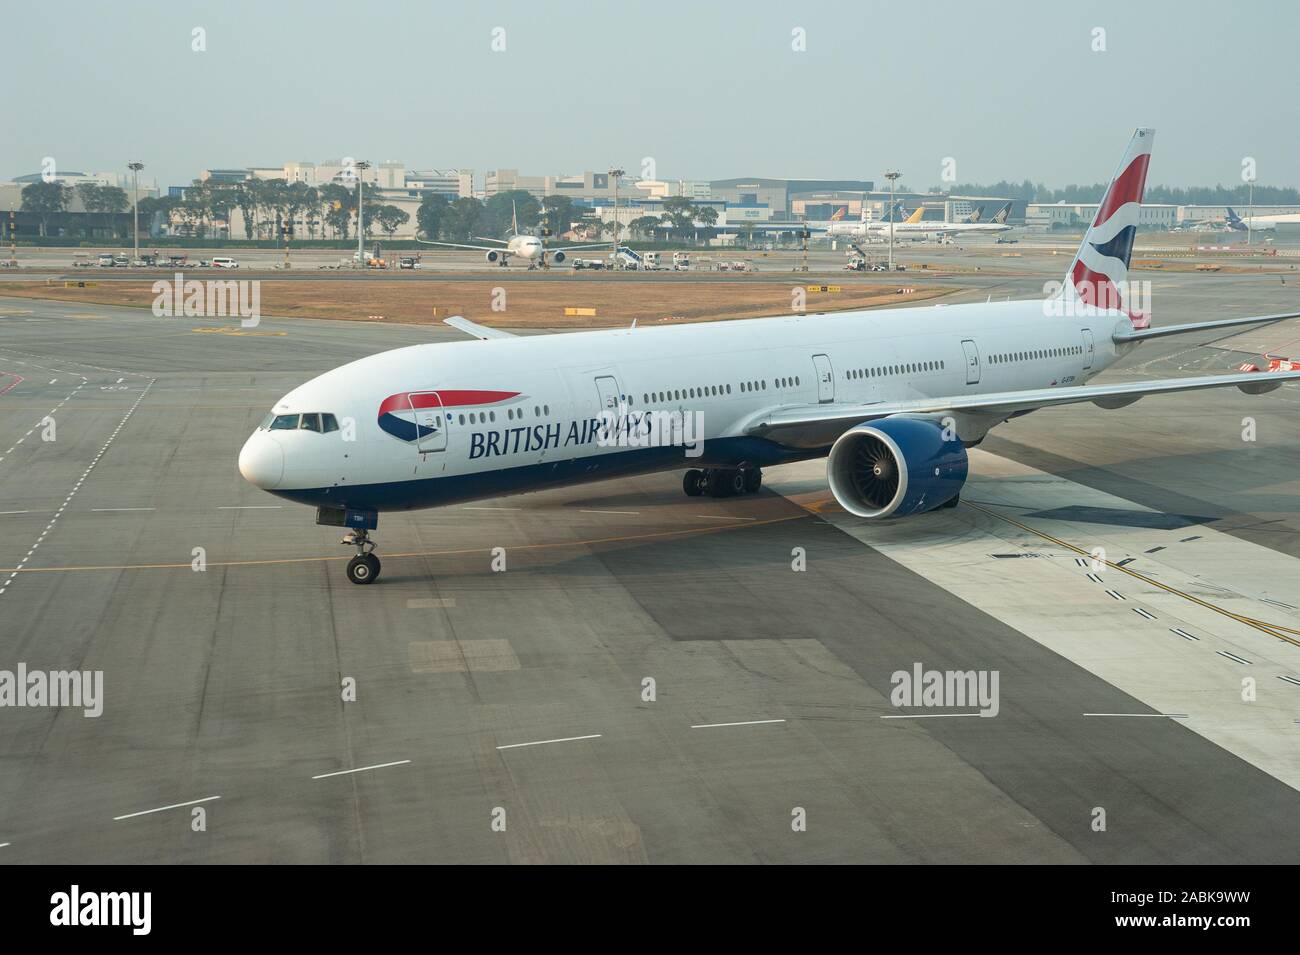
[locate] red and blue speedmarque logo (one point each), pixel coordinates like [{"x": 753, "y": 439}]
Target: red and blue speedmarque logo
[{"x": 399, "y": 414}]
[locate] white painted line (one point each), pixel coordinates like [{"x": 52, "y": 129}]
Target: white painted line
[
  {"x": 1183, "y": 633},
  {"x": 543, "y": 742},
  {"x": 1290, "y": 679},
  {"x": 1169, "y": 716},
  {"x": 1115, "y": 594},
  {"x": 705, "y": 726},
  {"x": 924, "y": 716},
  {"x": 102, "y": 510},
  {"x": 3, "y": 844},
  {"x": 1144, "y": 613},
  {"x": 362, "y": 769},
  {"x": 249, "y": 507},
  {"x": 178, "y": 805},
  {"x": 491, "y": 508},
  {"x": 15, "y": 512},
  {"x": 585, "y": 511},
  {"x": 1233, "y": 656},
  {"x": 1095, "y": 578}
]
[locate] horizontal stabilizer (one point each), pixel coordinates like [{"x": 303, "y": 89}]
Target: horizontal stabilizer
[{"x": 1137, "y": 335}]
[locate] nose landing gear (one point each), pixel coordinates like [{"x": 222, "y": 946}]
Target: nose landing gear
[{"x": 364, "y": 568}]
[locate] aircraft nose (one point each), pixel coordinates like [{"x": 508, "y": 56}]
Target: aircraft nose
[{"x": 261, "y": 461}]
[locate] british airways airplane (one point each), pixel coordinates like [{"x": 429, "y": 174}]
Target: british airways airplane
[{"x": 892, "y": 399}]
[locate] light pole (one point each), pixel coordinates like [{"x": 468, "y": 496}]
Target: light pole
[
  {"x": 1250, "y": 209},
  {"x": 362, "y": 166},
  {"x": 891, "y": 176},
  {"x": 616, "y": 174},
  {"x": 135, "y": 168}
]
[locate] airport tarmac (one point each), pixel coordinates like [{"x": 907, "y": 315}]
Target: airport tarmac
[
  {"x": 977, "y": 252},
  {"x": 484, "y": 696}
]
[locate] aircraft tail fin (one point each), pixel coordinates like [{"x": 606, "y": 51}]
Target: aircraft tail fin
[
  {"x": 1098, "y": 276},
  {"x": 976, "y": 216},
  {"x": 915, "y": 216},
  {"x": 1000, "y": 217}
]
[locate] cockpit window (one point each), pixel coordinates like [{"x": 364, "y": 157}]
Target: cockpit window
[
  {"x": 284, "y": 422},
  {"x": 328, "y": 422},
  {"x": 310, "y": 422},
  {"x": 266, "y": 422}
]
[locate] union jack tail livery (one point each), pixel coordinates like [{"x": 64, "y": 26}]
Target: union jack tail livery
[{"x": 1098, "y": 275}]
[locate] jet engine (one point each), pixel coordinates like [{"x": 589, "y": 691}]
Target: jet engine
[
  {"x": 492, "y": 255},
  {"x": 896, "y": 467},
  {"x": 558, "y": 257}
]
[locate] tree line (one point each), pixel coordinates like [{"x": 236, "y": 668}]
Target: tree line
[
  {"x": 327, "y": 211},
  {"x": 1216, "y": 195},
  {"x": 441, "y": 218}
]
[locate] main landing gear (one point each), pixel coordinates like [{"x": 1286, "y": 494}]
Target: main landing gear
[
  {"x": 721, "y": 482},
  {"x": 364, "y": 568}
]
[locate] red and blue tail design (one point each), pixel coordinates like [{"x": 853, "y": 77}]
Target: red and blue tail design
[{"x": 1098, "y": 275}]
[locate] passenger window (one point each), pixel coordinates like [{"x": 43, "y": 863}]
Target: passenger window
[
  {"x": 328, "y": 422},
  {"x": 284, "y": 422},
  {"x": 310, "y": 422}
]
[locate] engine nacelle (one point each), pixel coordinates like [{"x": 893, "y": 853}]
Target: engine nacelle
[
  {"x": 896, "y": 467},
  {"x": 492, "y": 255},
  {"x": 558, "y": 257}
]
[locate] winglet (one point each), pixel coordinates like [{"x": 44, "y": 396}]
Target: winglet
[{"x": 475, "y": 329}]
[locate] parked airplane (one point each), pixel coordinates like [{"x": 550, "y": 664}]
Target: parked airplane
[
  {"x": 917, "y": 228},
  {"x": 530, "y": 248},
  {"x": 892, "y": 399},
  {"x": 1258, "y": 223},
  {"x": 867, "y": 227}
]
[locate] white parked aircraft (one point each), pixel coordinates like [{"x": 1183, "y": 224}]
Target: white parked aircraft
[
  {"x": 529, "y": 248},
  {"x": 869, "y": 228},
  {"x": 1251, "y": 223},
  {"x": 892, "y": 399},
  {"x": 920, "y": 229}
]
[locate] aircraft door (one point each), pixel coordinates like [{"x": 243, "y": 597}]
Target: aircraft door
[
  {"x": 430, "y": 421},
  {"x": 972, "y": 362},
  {"x": 1088, "y": 348},
  {"x": 825, "y": 378}
]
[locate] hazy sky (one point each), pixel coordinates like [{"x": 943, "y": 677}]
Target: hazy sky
[{"x": 708, "y": 89}]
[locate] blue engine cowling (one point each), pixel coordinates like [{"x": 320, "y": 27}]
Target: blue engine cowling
[
  {"x": 896, "y": 467},
  {"x": 492, "y": 255},
  {"x": 557, "y": 257}
]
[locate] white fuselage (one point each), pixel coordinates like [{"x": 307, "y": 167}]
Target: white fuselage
[
  {"x": 912, "y": 230},
  {"x": 526, "y": 247},
  {"x": 441, "y": 423}
]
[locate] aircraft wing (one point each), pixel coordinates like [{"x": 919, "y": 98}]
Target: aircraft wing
[
  {"x": 813, "y": 426},
  {"x": 462, "y": 245},
  {"x": 566, "y": 249},
  {"x": 475, "y": 329}
]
